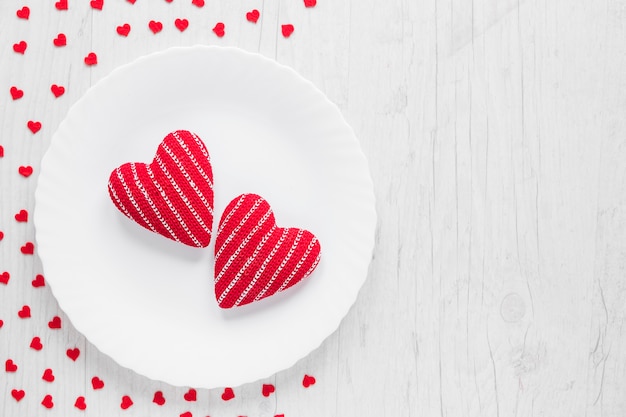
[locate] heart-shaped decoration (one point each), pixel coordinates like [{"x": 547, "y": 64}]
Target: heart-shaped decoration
[
  {"x": 28, "y": 248},
  {"x": 91, "y": 59},
  {"x": 60, "y": 40},
  {"x": 23, "y": 13},
  {"x": 219, "y": 29},
  {"x": 97, "y": 4},
  {"x": 57, "y": 90},
  {"x": 24, "y": 313},
  {"x": 126, "y": 402},
  {"x": 25, "y": 171},
  {"x": 55, "y": 323},
  {"x": 20, "y": 47},
  {"x": 198, "y": 3},
  {"x": 253, "y": 16},
  {"x": 287, "y": 30},
  {"x": 155, "y": 27},
  {"x": 18, "y": 394},
  {"x": 39, "y": 281},
  {"x": 36, "y": 344},
  {"x": 48, "y": 376},
  {"x": 254, "y": 258},
  {"x": 16, "y": 93},
  {"x": 10, "y": 366},
  {"x": 4, "y": 278},
  {"x": 123, "y": 30},
  {"x": 61, "y": 5},
  {"x": 97, "y": 383},
  {"x": 47, "y": 401},
  {"x": 158, "y": 398},
  {"x": 73, "y": 354},
  {"x": 181, "y": 24},
  {"x": 80, "y": 403},
  {"x": 267, "y": 389},
  {"x": 228, "y": 394},
  {"x": 173, "y": 195}
]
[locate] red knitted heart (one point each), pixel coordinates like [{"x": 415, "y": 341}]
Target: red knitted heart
[
  {"x": 97, "y": 383},
  {"x": 254, "y": 258},
  {"x": 172, "y": 196},
  {"x": 36, "y": 343}
]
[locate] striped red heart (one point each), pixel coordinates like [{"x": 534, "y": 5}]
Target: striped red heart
[
  {"x": 173, "y": 195},
  {"x": 254, "y": 258}
]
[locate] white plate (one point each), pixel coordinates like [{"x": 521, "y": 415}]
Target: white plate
[{"x": 148, "y": 302}]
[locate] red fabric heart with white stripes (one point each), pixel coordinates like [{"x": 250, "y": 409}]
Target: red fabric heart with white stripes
[
  {"x": 173, "y": 195},
  {"x": 254, "y": 258}
]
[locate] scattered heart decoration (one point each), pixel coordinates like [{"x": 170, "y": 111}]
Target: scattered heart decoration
[
  {"x": 18, "y": 394},
  {"x": 36, "y": 344},
  {"x": 198, "y": 3},
  {"x": 97, "y": 383},
  {"x": 267, "y": 390},
  {"x": 307, "y": 381},
  {"x": 190, "y": 395},
  {"x": 47, "y": 401},
  {"x": 158, "y": 398},
  {"x": 21, "y": 216},
  {"x": 55, "y": 323},
  {"x": 39, "y": 281},
  {"x": 4, "y": 278},
  {"x": 48, "y": 376},
  {"x": 80, "y": 403},
  {"x": 57, "y": 90},
  {"x": 219, "y": 29},
  {"x": 24, "y": 312},
  {"x": 155, "y": 27},
  {"x": 25, "y": 171},
  {"x": 61, "y": 5},
  {"x": 10, "y": 366},
  {"x": 123, "y": 30},
  {"x": 97, "y": 4},
  {"x": 181, "y": 24},
  {"x": 126, "y": 403},
  {"x": 171, "y": 196},
  {"x": 73, "y": 354},
  {"x": 287, "y": 30},
  {"x": 28, "y": 248},
  {"x": 91, "y": 59},
  {"x": 254, "y": 258},
  {"x": 60, "y": 40},
  {"x": 20, "y": 47},
  {"x": 228, "y": 394},
  {"x": 23, "y": 13},
  {"x": 253, "y": 16},
  {"x": 33, "y": 126},
  {"x": 16, "y": 93}
]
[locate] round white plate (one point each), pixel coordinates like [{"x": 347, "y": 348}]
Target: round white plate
[{"x": 148, "y": 302}]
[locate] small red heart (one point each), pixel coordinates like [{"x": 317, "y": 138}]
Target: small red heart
[
  {"x": 123, "y": 30},
  {"x": 48, "y": 375},
  {"x": 310, "y": 3},
  {"x": 36, "y": 343},
  {"x": 97, "y": 4},
  {"x": 1, "y": 324},
  {"x": 307, "y": 381},
  {"x": 254, "y": 258},
  {"x": 126, "y": 402},
  {"x": 23, "y": 13},
  {"x": 186, "y": 414},
  {"x": 34, "y": 126},
  {"x": 22, "y": 216},
  {"x": 60, "y": 40},
  {"x": 24, "y": 313},
  {"x": 16, "y": 93},
  {"x": 169, "y": 1},
  {"x": 279, "y": 415},
  {"x": 61, "y": 5},
  {"x": 20, "y": 47},
  {"x": 9, "y": 366},
  {"x": 267, "y": 389},
  {"x": 91, "y": 59},
  {"x": 73, "y": 354},
  {"x": 155, "y": 27},
  {"x": 287, "y": 30},
  {"x": 173, "y": 195},
  {"x": 4, "y": 278},
  {"x": 181, "y": 24},
  {"x": 199, "y": 3},
  {"x": 1, "y": 235},
  {"x": 158, "y": 399},
  {"x": 47, "y": 401},
  {"x": 28, "y": 248},
  {"x": 131, "y": 1},
  {"x": 25, "y": 171},
  {"x": 97, "y": 383},
  {"x": 228, "y": 394},
  {"x": 1, "y": 151},
  {"x": 219, "y": 29},
  {"x": 55, "y": 323},
  {"x": 80, "y": 403},
  {"x": 57, "y": 90},
  {"x": 190, "y": 395},
  {"x": 253, "y": 16},
  {"x": 18, "y": 394},
  {"x": 38, "y": 281}
]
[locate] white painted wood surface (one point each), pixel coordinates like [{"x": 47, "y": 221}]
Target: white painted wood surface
[{"x": 496, "y": 135}]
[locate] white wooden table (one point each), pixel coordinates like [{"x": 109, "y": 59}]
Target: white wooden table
[{"x": 496, "y": 136}]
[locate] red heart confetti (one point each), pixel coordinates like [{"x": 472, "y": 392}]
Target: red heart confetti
[
  {"x": 36, "y": 343},
  {"x": 23, "y": 13},
  {"x": 47, "y": 401},
  {"x": 1, "y": 324},
  {"x": 16, "y": 93},
  {"x": 28, "y": 248},
  {"x": 1, "y": 235},
  {"x": 173, "y": 195},
  {"x": 131, "y": 1},
  {"x": 4, "y": 278},
  {"x": 307, "y": 381},
  {"x": 25, "y": 171},
  {"x": 310, "y": 3},
  {"x": 24, "y": 313},
  {"x": 169, "y": 1},
  {"x": 34, "y": 126},
  {"x": 218, "y": 29},
  {"x": 267, "y": 389},
  {"x": 73, "y": 354},
  {"x": 97, "y": 4},
  {"x": 198, "y": 3},
  {"x": 48, "y": 376},
  {"x": 20, "y": 47},
  {"x": 158, "y": 399},
  {"x": 38, "y": 281},
  {"x": 22, "y": 216},
  {"x": 155, "y": 27},
  {"x": 186, "y": 414},
  {"x": 18, "y": 394},
  {"x": 287, "y": 30},
  {"x": 126, "y": 402},
  {"x": 61, "y": 5},
  {"x": 91, "y": 59},
  {"x": 97, "y": 383},
  {"x": 10, "y": 366},
  {"x": 1, "y": 151},
  {"x": 190, "y": 395},
  {"x": 279, "y": 415},
  {"x": 55, "y": 323},
  {"x": 181, "y": 24},
  {"x": 253, "y": 16},
  {"x": 254, "y": 258},
  {"x": 80, "y": 403},
  {"x": 123, "y": 30},
  {"x": 57, "y": 90},
  {"x": 60, "y": 40},
  {"x": 228, "y": 394}
]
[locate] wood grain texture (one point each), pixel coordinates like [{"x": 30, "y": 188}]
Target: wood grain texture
[{"x": 496, "y": 136}]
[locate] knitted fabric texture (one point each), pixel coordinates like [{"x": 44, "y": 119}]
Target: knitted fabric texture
[
  {"x": 254, "y": 258},
  {"x": 173, "y": 195}
]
